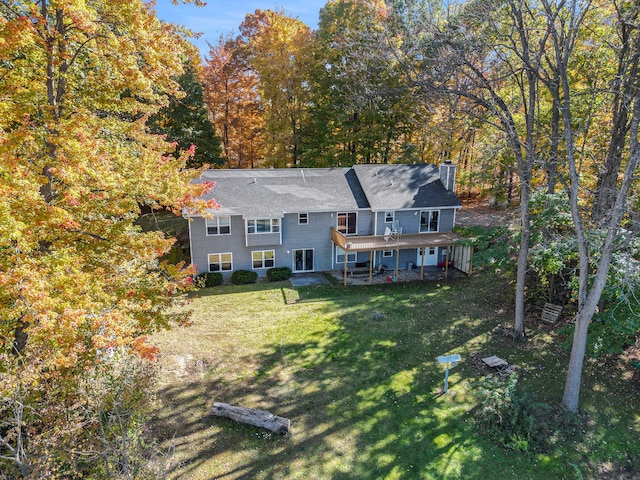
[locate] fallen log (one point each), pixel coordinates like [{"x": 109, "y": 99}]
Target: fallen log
[{"x": 251, "y": 416}]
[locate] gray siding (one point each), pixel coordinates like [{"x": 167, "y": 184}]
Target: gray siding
[
  {"x": 409, "y": 220},
  {"x": 446, "y": 219},
  {"x": 202, "y": 245},
  {"x": 314, "y": 235},
  {"x": 365, "y": 218},
  {"x": 263, "y": 239}
]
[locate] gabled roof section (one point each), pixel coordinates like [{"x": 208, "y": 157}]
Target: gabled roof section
[
  {"x": 270, "y": 193},
  {"x": 397, "y": 187}
]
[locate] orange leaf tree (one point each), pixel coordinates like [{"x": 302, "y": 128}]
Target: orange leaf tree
[
  {"x": 77, "y": 276},
  {"x": 233, "y": 99}
]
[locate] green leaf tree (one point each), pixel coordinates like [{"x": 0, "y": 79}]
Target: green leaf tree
[
  {"x": 362, "y": 110},
  {"x": 185, "y": 121}
]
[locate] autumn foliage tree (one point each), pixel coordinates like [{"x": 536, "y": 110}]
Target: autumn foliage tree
[
  {"x": 78, "y": 278},
  {"x": 256, "y": 90},
  {"x": 231, "y": 93}
]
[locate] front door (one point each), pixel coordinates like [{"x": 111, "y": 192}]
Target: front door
[
  {"x": 429, "y": 255},
  {"x": 303, "y": 260}
]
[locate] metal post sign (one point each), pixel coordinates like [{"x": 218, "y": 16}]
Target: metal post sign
[{"x": 449, "y": 360}]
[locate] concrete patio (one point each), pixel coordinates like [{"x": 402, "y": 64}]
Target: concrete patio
[{"x": 431, "y": 273}]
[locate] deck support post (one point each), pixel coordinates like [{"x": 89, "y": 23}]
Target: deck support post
[
  {"x": 446, "y": 263},
  {"x": 397, "y": 261},
  {"x": 345, "y": 267},
  {"x": 371, "y": 266}
]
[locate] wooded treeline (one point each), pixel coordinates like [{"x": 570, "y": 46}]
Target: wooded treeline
[{"x": 282, "y": 95}]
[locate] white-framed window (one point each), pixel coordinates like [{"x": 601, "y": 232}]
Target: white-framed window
[
  {"x": 347, "y": 223},
  {"x": 263, "y": 225},
  {"x": 220, "y": 262},
  {"x": 429, "y": 221},
  {"x": 303, "y": 219},
  {"x": 351, "y": 257},
  {"x": 263, "y": 259},
  {"x": 387, "y": 253},
  {"x": 219, "y": 225},
  {"x": 389, "y": 217}
]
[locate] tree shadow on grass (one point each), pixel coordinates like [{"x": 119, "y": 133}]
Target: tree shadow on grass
[{"x": 362, "y": 397}]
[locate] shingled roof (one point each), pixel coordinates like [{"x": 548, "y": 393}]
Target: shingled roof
[
  {"x": 270, "y": 193},
  {"x": 397, "y": 187}
]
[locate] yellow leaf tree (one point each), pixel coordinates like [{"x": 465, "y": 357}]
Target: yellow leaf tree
[
  {"x": 78, "y": 278},
  {"x": 278, "y": 49}
]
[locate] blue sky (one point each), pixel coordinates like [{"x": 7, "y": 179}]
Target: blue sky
[{"x": 223, "y": 17}]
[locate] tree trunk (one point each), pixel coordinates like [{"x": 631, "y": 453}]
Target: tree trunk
[
  {"x": 523, "y": 254},
  {"x": 576, "y": 361},
  {"x": 251, "y": 416},
  {"x": 625, "y": 85},
  {"x": 552, "y": 167}
]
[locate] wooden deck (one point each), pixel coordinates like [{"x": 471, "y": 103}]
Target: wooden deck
[{"x": 372, "y": 243}]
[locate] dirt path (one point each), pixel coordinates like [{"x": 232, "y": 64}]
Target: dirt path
[{"x": 477, "y": 213}]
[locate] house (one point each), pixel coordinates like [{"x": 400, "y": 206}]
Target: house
[{"x": 322, "y": 219}]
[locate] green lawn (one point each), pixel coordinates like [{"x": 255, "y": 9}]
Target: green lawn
[{"x": 355, "y": 370}]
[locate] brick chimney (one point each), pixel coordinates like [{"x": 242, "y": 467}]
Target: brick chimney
[{"x": 448, "y": 175}]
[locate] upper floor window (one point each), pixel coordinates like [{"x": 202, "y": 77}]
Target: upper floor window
[
  {"x": 429, "y": 221},
  {"x": 347, "y": 222},
  {"x": 303, "y": 218},
  {"x": 220, "y": 262},
  {"x": 389, "y": 217},
  {"x": 263, "y": 225},
  {"x": 219, "y": 225}
]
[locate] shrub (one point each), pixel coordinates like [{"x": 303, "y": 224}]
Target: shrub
[
  {"x": 279, "y": 273},
  {"x": 242, "y": 277},
  {"x": 212, "y": 279},
  {"x": 512, "y": 418}
]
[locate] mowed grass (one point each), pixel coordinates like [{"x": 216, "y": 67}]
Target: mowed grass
[{"x": 355, "y": 370}]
